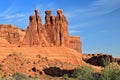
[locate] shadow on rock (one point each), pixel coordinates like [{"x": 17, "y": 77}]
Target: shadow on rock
[{"x": 57, "y": 72}]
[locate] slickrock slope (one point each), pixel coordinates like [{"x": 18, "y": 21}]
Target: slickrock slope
[
  {"x": 4, "y": 42},
  {"x": 62, "y": 54},
  {"x": 33, "y": 61}
]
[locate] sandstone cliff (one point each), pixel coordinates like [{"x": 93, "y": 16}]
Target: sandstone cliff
[
  {"x": 54, "y": 33},
  {"x": 75, "y": 43},
  {"x": 10, "y": 35}
]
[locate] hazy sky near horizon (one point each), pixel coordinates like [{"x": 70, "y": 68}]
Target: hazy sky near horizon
[{"x": 97, "y": 22}]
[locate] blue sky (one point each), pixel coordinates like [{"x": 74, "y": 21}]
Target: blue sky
[{"x": 97, "y": 22}]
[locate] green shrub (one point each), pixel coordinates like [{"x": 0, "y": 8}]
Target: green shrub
[
  {"x": 6, "y": 78},
  {"x": 84, "y": 73},
  {"x": 19, "y": 76},
  {"x": 111, "y": 72},
  {"x": 105, "y": 62},
  {"x": 65, "y": 77}
]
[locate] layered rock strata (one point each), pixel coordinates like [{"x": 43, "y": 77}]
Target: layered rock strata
[
  {"x": 10, "y": 35},
  {"x": 54, "y": 33}
]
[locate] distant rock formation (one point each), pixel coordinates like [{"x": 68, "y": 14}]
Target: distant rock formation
[
  {"x": 117, "y": 60},
  {"x": 100, "y": 59}
]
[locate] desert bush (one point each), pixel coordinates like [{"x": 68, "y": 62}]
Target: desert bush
[
  {"x": 19, "y": 76},
  {"x": 65, "y": 77},
  {"x": 7, "y": 78},
  {"x": 111, "y": 72},
  {"x": 84, "y": 73},
  {"x": 105, "y": 62}
]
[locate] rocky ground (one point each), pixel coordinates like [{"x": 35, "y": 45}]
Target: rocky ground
[{"x": 25, "y": 60}]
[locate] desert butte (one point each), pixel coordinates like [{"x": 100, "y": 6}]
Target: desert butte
[{"x": 39, "y": 47}]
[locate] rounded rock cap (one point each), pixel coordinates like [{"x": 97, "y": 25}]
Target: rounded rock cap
[
  {"x": 36, "y": 11},
  {"x": 48, "y": 12},
  {"x": 59, "y": 10}
]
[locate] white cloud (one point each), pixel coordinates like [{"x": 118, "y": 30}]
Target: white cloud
[
  {"x": 104, "y": 31},
  {"x": 14, "y": 16},
  {"x": 102, "y": 7},
  {"x": 71, "y": 32},
  {"x": 74, "y": 26},
  {"x": 7, "y": 11},
  {"x": 98, "y": 8},
  {"x": 10, "y": 14}
]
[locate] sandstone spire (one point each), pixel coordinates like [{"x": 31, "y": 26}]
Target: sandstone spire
[
  {"x": 50, "y": 27},
  {"x": 54, "y": 33},
  {"x": 61, "y": 29},
  {"x": 35, "y": 32}
]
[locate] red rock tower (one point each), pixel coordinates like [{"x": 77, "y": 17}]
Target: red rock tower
[
  {"x": 35, "y": 32},
  {"x": 62, "y": 37},
  {"x": 54, "y": 33}
]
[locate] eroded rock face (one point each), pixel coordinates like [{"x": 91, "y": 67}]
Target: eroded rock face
[
  {"x": 54, "y": 33},
  {"x": 98, "y": 59},
  {"x": 117, "y": 60},
  {"x": 62, "y": 37},
  {"x": 75, "y": 43},
  {"x": 35, "y": 33},
  {"x": 10, "y": 33},
  {"x": 50, "y": 28}
]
